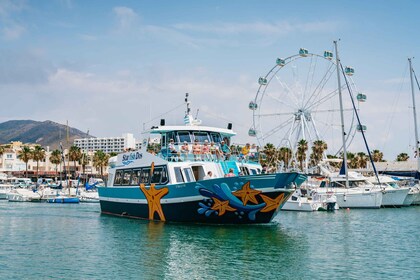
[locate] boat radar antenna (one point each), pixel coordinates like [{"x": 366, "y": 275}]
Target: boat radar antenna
[
  {"x": 188, "y": 104},
  {"x": 188, "y": 119}
]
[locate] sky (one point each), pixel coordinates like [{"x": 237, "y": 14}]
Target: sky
[{"x": 114, "y": 67}]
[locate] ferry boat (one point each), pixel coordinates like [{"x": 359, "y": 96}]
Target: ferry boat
[{"x": 175, "y": 186}]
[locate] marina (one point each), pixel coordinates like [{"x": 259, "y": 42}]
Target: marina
[
  {"x": 40, "y": 240},
  {"x": 209, "y": 140}
]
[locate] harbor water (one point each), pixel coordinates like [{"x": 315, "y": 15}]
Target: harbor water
[{"x": 51, "y": 241}]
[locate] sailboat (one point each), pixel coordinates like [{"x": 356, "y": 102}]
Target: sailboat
[
  {"x": 351, "y": 189},
  {"x": 414, "y": 192},
  {"x": 61, "y": 197}
]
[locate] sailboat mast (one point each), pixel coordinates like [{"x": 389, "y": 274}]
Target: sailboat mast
[
  {"x": 337, "y": 59},
  {"x": 415, "y": 116}
]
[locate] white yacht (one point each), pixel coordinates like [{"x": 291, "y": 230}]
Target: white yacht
[
  {"x": 4, "y": 189},
  {"x": 393, "y": 195},
  {"x": 305, "y": 200},
  {"x": 360, "y": 193},
  {"x": 23, "y": 195}
]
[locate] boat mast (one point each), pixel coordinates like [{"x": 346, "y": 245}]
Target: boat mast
[
  {"x": 342, "y": 115},
  {"x": 415, "y": 116}
]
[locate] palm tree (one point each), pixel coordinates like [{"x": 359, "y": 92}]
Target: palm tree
[
  {"x": 285, "y": 155},
  {"x": 377, "y": 156},
  {"x": 318, "y": 149},
  {"x": 55, "y": 158},
  {"x": 84, "y": 160},
  {"x": 100, "y": 160},
  {"x": 302, "y": 148},
  {"x": 403, "y": 157},
  {"x": 352, "y": 160},
  {"x": 362, "y": 159},
  {"x": 270, "y": 152},
  {"x": 25, "y": 155},
  {"x": 75, "y": 154},
  {"x": 38, "y": 154}
]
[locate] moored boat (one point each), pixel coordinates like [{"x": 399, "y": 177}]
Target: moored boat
[
  {"x": 23, "y": 195},
  {"x": 174, "y": 184}
]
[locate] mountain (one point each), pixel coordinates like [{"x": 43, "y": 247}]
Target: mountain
[{"x": 47, "y": 133}]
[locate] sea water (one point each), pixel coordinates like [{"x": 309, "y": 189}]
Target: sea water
[{"x": 53, "y": 241}]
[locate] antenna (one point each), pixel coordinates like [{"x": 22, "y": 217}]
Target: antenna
[
  {"x": 196, "y": 115},
  {"x": 188, "y": 103}
]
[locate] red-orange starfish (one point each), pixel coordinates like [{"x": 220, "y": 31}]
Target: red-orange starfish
[
  {"x": 272, "y": 204},
  {"x": 153, "y": 197},
  {"x": 221, "y": 206},
  {"x": 247, "y": 194}
]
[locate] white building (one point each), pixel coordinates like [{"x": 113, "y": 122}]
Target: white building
[{"x": 108, "y": 144}]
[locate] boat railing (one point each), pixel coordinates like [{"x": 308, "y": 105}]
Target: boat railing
[{"x": 218, "y": 156}]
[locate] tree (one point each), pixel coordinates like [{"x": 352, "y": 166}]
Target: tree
[
  {"x": 377, "y": 156},
  {"x": 362, "y": 159},
  {"x": 271, "y": 155},
  {"x": 318, "y": 149},
  {"x": 100, "y": 160},
  {"x": 403, "y": 157},
  {"x": 75, "y": 154},
  {"x": 302, "y": 148},
  {"x": 84, "y": 160},
  {"x": 55, "y": 158},
  {"x": 38, "y": 154},
  {"x": 285, "y": 155},
  {"x": 25, "y": 155}
]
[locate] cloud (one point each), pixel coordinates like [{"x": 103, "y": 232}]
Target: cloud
[
  {"x": 28, "y": 67},
  {"x": 12, "y": 32},
  {"x": 265, "y": 28},
  {"x": 126, "y": 18}
]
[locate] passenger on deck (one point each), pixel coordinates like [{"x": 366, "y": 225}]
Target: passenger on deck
[
  {"x": 230, "y": 174},
  {"x": 205, "y": 150},
  {"x": 185, "y": 150},
  {"x": 245, "y": 152},
  {"x": 225, "y": 150},
  {"x": 196, "y": 149},
  {"x": 174, "y": 153},
  {"x": 253, "y": 151},
  {"x": 208, "y": 176},
  {"x": 214, "y": 151}
]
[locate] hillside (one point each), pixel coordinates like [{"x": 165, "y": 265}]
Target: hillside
[{"x": 47, "y": 133}]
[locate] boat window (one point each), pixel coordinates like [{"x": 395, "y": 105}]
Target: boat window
[
  {"x": 215, "y": 137},
  {"x": 118, "y": 178},
  {"x": 178, "y": 175},
  {"x": 135, "y": 177},
  {"x": 244, "y": 170},
  {"x": 159, "y": 175},
  {"x": 145, "y": 176},
  {"x": 201, "y": 136},
  {"x": 171, "y": 135},
  {"x": 253, "y": 171},
  {"x": 126, "y": 177},
  {"x": 184, "y": 136},
  {"x": 189, "y": 177}
]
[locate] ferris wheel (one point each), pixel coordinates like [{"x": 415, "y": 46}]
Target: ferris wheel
[{"x": 298, "y": 99}]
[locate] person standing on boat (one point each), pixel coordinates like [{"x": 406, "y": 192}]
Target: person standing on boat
[
  {"x": 208, "y": 176},
  {"x": 185, "y": 150},
  {"x": 245, "y": 151},
  {"x": 196, "y": 149},
  {"x": 214, "y": 151},
  {"x": 225, "y": 150},
  {"x": 206, "y": 150}
]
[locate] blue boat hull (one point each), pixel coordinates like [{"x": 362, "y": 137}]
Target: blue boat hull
[
  {"x": 64, "y": 200},
  {"x": 234, "y": 200}
]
